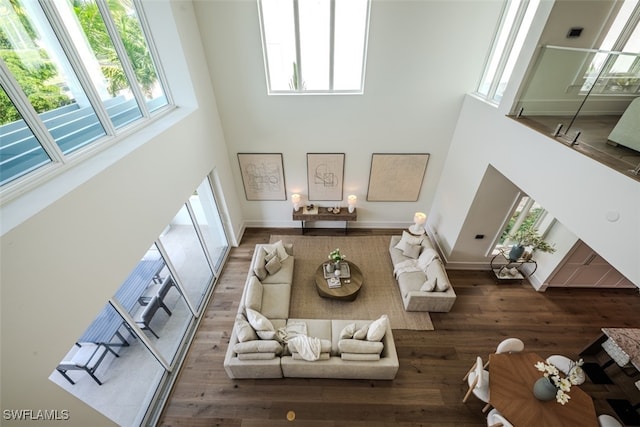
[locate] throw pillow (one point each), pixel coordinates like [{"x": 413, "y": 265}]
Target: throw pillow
[
  {"x": 280, "y": 250},
  {"x": 348, "y": 331},
  {"x": 244, "y": 331},
  {"x": 412, "y": 251},
  {"x": 426, "y": 257},
  {"x": 378, "y": 328},
  {"x": 259, "y": 267},
  {"x": 361, "y": 333},
  {"x": 259, "y": 322},
  {"x": 270, "y": 255},
  {"x": 273, "y": 266},
  {"x": 442, "y": 285},
  {"x": 267, "y": 335},
  {"x": 408, "y": 239},
  {"x": 429, "y": 285}
]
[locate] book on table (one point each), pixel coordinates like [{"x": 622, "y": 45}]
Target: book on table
[{"x": 333, "y": 282}]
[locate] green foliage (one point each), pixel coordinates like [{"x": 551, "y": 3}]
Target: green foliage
[
  {"x": 529, "y": 237},
  {"x": 33, "y": 70}
]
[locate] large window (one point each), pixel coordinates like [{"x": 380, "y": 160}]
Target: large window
[
  {"x": 512, "y": 30},
  {"x": 314, "y": 46},
  {"x": 73, "y": 72},
  {"x": 123, "y": 361}
]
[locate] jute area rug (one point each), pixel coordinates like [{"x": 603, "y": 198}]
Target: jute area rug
[{"x": 379, "y": 293}]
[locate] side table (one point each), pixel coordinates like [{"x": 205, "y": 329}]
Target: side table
[{"x": 502, "y": 266}]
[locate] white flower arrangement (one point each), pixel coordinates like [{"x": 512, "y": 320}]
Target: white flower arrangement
[
  {"x": 563, "y": 384},
  {"x": 336, "y": 256}
]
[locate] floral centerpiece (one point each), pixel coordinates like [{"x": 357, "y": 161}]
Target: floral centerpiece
[
  {"x": 335, "y": 256},
  {"x": 561, "y": 384}
]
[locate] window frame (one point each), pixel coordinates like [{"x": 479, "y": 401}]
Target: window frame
[
  {"x": 61, "y": 162},
  {"x": 299, "y": 89}
]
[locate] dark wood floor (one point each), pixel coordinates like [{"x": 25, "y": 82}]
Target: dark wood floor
[{"x": 428, "y": 389}]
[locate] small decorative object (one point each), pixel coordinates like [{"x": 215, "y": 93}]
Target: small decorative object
[
  {"x": 295, "y": 199},
  {"x": 336, "y": 210},
  {"x": 336, "y": 257},
  {"x": 351, "y": 201},
  {"x": 331, "y": 267},
  {"x": 542, "y": 389},
  {"x": 516, "y": 252},
  {"x": 337, "y": 272}
]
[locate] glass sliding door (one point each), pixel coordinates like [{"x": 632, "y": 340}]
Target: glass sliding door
[
  {"x": 209, "y": 222},
  {"x": 187, "y": 255}
]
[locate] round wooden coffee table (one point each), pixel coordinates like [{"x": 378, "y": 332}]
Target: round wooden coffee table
[{"x": 350, "y": 286}]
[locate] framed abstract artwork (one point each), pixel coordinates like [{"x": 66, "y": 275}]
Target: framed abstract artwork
[
  {"x": 262, "y": 176},
  {"x": 396, "y": 177},
  {"x": 325, "y": 174}
]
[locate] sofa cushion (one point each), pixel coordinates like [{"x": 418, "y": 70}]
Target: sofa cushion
[
  {"x": 256, "y": 356},
  {"x": 276, "y": 299},
  {"x": 244, "y": 331},
  {"x": 259, "y": 263},
  {"x": 377, "y": 328},
  {"x": 360, "y": 357},
  {"x": 253, "y": 294},
  {"x": 359, "y": 346},
  {"x": 323, "y": 356},
  {"x": 258, "y": 346},
  {"x": 411, "y": 281}
]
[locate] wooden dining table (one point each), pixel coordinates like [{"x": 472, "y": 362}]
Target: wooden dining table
[{"x": 511, "y": 379}]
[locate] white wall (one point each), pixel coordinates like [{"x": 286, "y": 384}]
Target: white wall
[
  {"x": 423, "y": 56},
  {"x": 62, "y": 262},
  {"x": 578, "y": 191}
]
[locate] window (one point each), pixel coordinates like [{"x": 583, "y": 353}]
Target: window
[
  {"x": 314, "y": 46},
  {"x": 512, "y": 30},
  {"x": 72, "y": 72},
  {"x": 617, "y": 73}
]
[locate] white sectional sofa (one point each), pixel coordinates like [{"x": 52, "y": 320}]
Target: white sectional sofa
[
  {"x": 421, "y": 276},
  {"x": 261, "y": 346}
]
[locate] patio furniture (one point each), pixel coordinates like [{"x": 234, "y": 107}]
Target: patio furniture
[{"x": 88, "y": 358}]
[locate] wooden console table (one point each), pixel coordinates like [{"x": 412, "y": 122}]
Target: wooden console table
[{"x": 322, "y": 214}]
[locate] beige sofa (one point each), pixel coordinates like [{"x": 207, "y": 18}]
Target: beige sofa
[
  {"x": 259, "y": 345},
  {"x": 415, "y": 278}
]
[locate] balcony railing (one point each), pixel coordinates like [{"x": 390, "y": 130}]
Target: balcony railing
[{"x": 588, "y": 99}]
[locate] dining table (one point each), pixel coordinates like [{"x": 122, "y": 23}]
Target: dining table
[{"x": 511, "y": 380}]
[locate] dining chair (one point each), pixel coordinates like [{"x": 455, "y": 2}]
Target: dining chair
[
  {"x": 496, "y": 419},
  {"x": 478, "y": 381},
  {"x": 508, "y": 345},
  {"x": 605, "y": 420},
  {"x": 566, "y": 365}
]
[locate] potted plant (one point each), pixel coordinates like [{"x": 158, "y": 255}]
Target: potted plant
[{"x": 527, "y": 237}]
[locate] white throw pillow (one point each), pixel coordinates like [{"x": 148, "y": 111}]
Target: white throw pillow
[
  {"x": 361, "y": 333},
  {"x": 378, "y": 328},
  {"x": 429, "y": 285},
  {"x": 259, "y": 322},
  {"x": 426, "y": 257},
  {"x": 412, "y": 251},
  {"x": 244, "y": 331},
  {"x": 273, "y": 266},
  {"x": 442, "y": 286},
  {"x": 408, "y": 239},
  {"x": 348, "y": 331},
  {"x": 280, "y": 250}
]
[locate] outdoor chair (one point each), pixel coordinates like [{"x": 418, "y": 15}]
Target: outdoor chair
[{"x": 88, "y": 358}]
